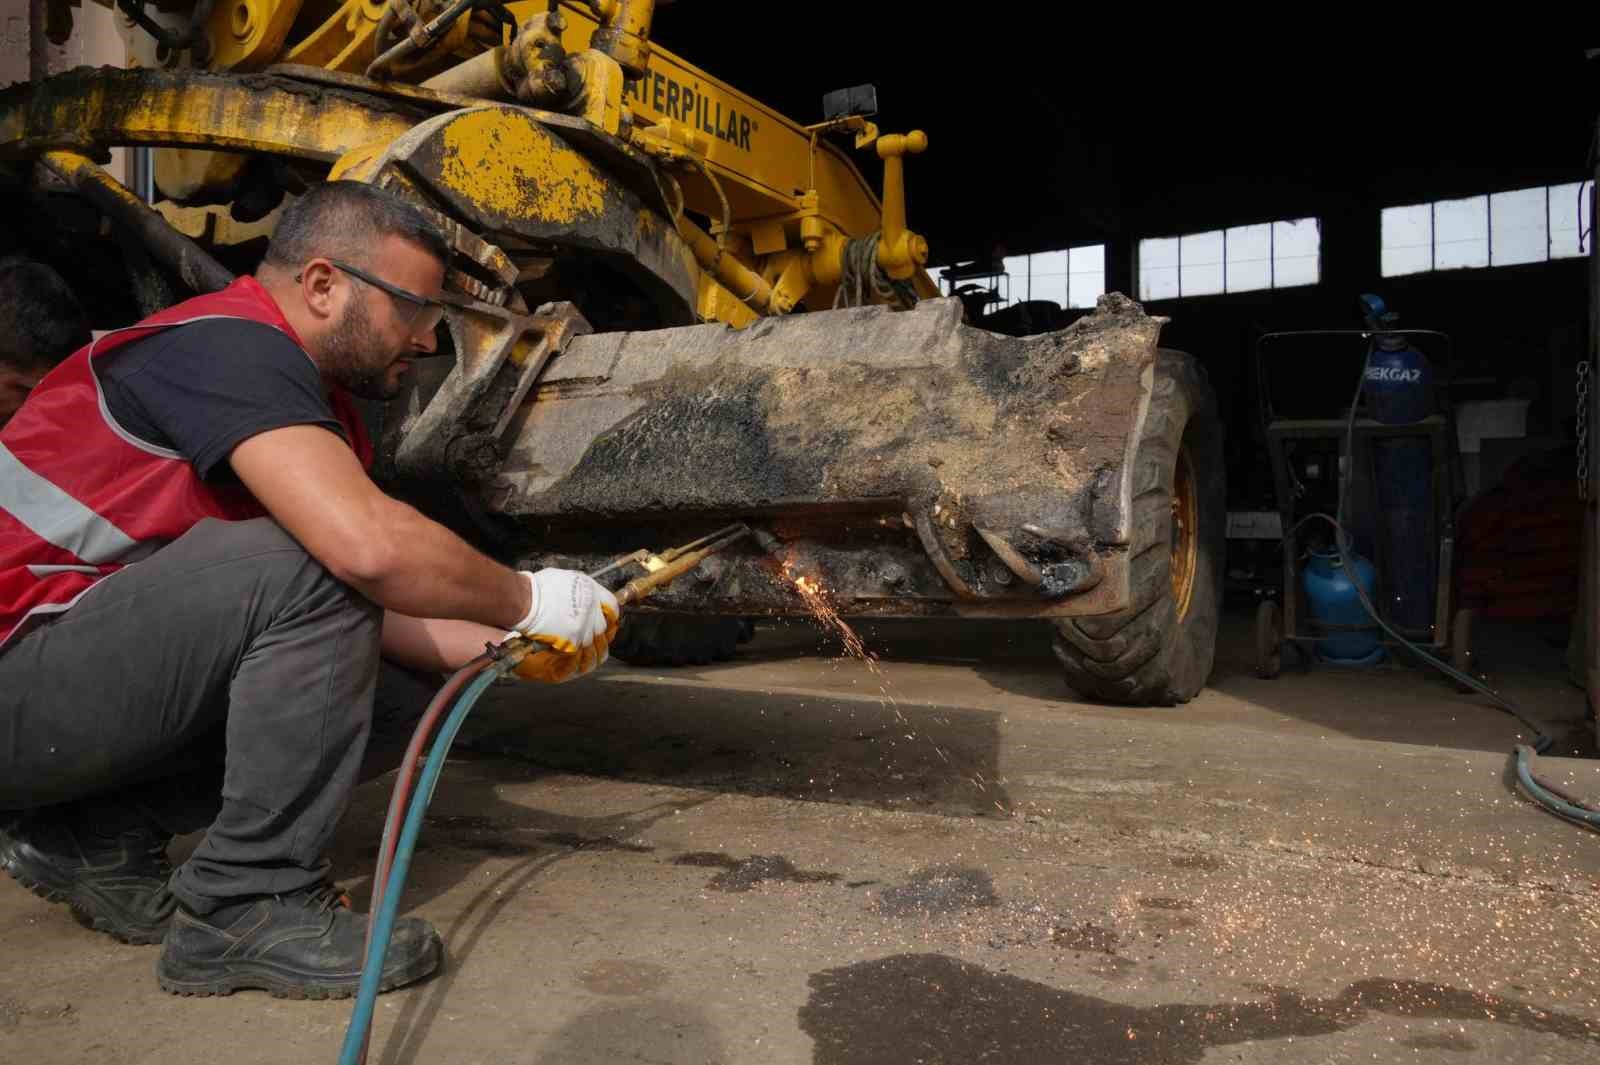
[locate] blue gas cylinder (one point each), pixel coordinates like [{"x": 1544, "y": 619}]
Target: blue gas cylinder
[
  {"x": 1399, "y": 382},
  {"x": 1399, "y": 389},
  {"x": 1334, "y": 601}
]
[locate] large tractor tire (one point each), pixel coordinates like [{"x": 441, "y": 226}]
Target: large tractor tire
[
  {"x": 679, "y": 639},
  {"x": 1160, "y": 650}
]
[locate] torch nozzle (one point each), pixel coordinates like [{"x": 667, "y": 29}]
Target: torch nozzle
[{"x": 673, "y": 563}]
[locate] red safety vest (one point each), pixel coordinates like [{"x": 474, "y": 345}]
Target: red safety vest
[{"x": 81, "y": 497}]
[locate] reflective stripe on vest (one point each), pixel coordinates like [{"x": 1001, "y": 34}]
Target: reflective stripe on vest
[
  {"x": 54, "y": 516},
  {"x": 81, "y": 497}
]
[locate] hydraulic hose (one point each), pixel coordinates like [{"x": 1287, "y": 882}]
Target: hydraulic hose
[
  {"x": 1556, "y": 801},
  {"x": 383, "y": 917},
  {"x": 396, "y": 847},
  {"x": 401, "y": 795},
  {"x": 408, "y": 770}
]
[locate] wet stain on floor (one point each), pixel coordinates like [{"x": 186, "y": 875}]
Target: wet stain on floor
[
  {"x": 1167, "y": 913},
  {"x": 742, "y": 875},
  {"x": 1167, "y": 923},
  {"x": 1111, "y": 968},
  {"x": 1161, "y": 903},
  {"x": 462, "y": 822},
  {"x": 1086, "y": 937},
  {"x": 929, "y": 1008},
  {"x": 488, "y": 836},
  {"x": 937, "y": 892},
  {"x": 494, "y": 846},
  {"x": 1204, "y": 862},
  {"x": 623, "y": 977},
  {"x": 579, "y": 842}
]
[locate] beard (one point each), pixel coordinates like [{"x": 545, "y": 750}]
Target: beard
[{"x": 352, "y": 356}]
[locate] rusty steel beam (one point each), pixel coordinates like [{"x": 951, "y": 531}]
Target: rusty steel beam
[
  {"x": 192, "y": 263},
  {"x": 92, "y": 110}
]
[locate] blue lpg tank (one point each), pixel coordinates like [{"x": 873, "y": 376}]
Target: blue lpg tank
[{"x": 1334, "y": 601}]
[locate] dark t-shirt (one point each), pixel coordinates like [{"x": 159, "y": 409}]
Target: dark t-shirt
[{"x": 202, "y": 389}]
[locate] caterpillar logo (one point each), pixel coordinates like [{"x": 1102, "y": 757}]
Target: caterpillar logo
[
  {"x": 684, "y": 103},
  {"x": 1394, "y": 373}
]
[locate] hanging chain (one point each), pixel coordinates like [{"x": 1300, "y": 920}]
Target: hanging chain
[{"x": 1583, "y": 430}]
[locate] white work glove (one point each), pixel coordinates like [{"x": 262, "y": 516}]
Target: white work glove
[{"x": 575, "y": 617}]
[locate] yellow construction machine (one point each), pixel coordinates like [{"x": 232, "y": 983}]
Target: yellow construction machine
[{"x": 671, "y": 307}]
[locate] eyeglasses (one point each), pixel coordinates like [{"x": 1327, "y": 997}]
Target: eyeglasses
[{"x": 426, "y": 313}]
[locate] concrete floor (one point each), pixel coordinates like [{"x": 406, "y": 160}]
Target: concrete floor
[{"x": 766, "y": 862}]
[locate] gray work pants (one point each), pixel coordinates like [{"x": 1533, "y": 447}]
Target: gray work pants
[{"x": 227, "y": 680}]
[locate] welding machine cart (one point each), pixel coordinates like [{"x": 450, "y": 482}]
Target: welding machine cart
[{"x": 1289, "y": 622}]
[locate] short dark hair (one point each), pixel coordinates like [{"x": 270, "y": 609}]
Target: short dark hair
[
  {"x": 344, "y": 220},
  {"x": 41, "y": 321}
]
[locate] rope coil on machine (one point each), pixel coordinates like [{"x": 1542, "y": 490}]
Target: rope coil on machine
[{"x": 861, "y": 274}]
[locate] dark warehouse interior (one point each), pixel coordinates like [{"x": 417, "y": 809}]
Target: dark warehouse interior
[{"x": 1110, "y": 143}]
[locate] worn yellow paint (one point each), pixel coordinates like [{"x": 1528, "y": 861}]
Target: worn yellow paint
[
  {"x": 786, "y": 184},
  {"x": 134, "y": 107},
  {"x": 344, "y": 41},
  {"x": 512, "y": 167},
  {"x": 653, "y": 229},
  {"x": 765, "y": 160},
  {"x": 249, "y": 34},
  {"x": 360, "y": 164},
  {"x": 717, "y": 304}
]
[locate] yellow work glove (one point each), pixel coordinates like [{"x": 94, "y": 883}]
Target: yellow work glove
[{"x": 573, "y": 616}]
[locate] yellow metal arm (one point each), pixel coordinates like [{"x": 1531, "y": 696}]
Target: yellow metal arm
[
  {"x": 900, "y": 251},
  {"x": 624, "y": 33}
]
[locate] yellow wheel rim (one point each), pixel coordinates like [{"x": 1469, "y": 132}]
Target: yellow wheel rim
[{"x": 1185, "y": 527}]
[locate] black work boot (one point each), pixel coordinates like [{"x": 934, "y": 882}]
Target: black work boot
[
  {"x": 112, "y": 871},
  {"x": 303, "y": 945}
]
